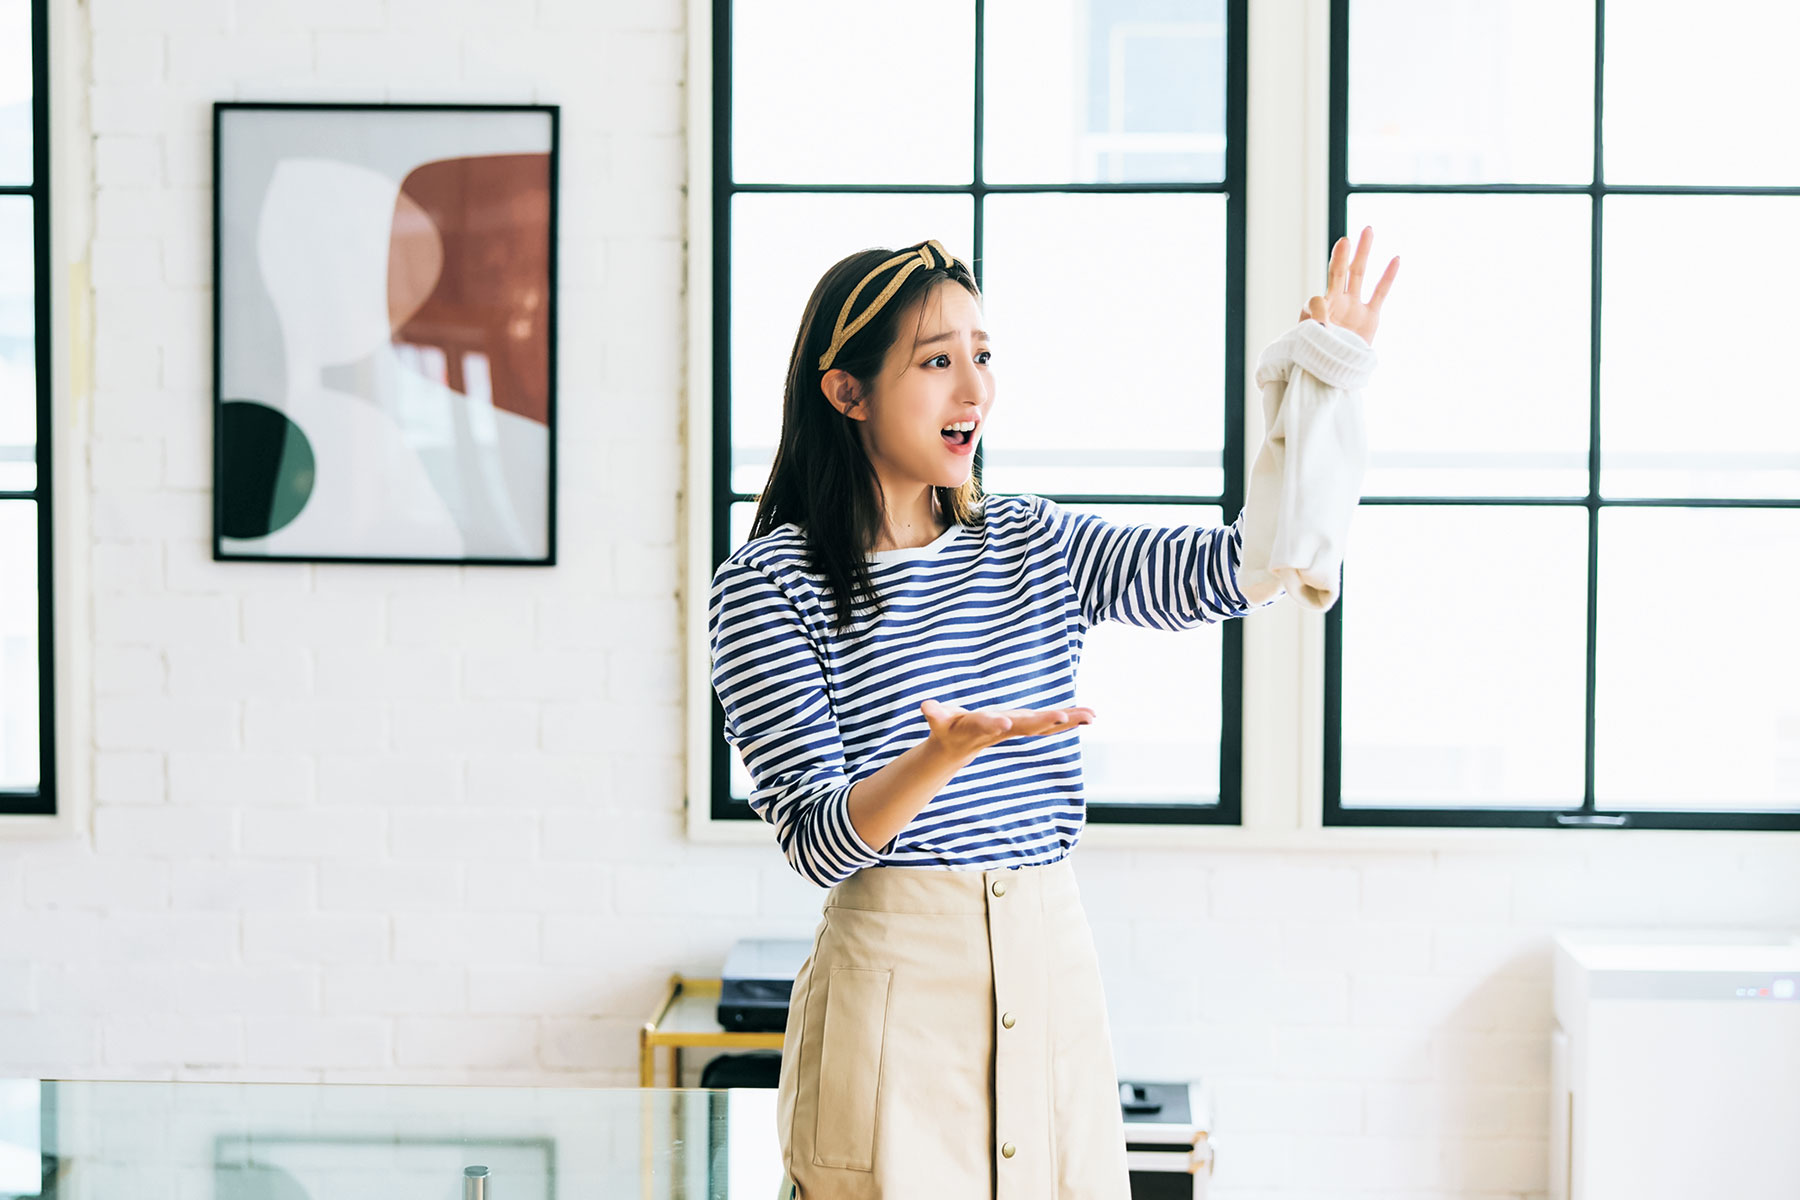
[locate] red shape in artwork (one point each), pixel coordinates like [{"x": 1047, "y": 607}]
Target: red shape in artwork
[{"x": 491, "y": 259}]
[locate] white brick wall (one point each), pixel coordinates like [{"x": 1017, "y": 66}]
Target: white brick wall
[{"x": 388, "y": 823}]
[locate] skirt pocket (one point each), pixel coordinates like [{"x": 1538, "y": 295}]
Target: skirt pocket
[{"x": 856, "y": 1001}]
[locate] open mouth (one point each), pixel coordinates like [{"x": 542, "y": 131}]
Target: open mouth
[{"x": 958, "y": 436}]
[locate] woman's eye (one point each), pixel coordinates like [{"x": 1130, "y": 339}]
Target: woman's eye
[{"x": 981, "y": 354}]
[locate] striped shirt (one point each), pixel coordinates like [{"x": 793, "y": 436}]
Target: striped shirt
[{"x": 987, "y": 615}]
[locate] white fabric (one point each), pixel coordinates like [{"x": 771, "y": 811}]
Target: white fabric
[{"x": 1307, "y": 478}]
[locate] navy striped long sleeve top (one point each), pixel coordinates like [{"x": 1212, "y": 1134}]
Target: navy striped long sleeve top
[{"x": 987, "y": 615}]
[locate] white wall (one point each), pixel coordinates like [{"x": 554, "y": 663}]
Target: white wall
[{"x": 424, "y": 824}]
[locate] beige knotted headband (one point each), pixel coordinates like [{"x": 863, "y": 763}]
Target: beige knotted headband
[{"x": 908, "y": 262}]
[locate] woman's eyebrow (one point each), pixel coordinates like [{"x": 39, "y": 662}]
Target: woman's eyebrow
[{"x": 949, "y": 333}]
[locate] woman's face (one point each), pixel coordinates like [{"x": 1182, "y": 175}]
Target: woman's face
[{"x": 926, "y": 385}]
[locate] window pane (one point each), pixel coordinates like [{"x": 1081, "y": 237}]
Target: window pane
[
  {"x": 15, "y": 92},
  {"x": 22, "y": 1143},
  {"x": 1155, "y": 693},
  {"x": 1469, "y": 91},
  {"x": 781, "y": 245},
  {"x": 1105, "y": 91},
  {"x": 1483, "y": 383},
  {"x": 18, "y": 347},
  {"x": 1701, "y": 96},
  {"x": 742, "y": 515},
  {"x": 18, "y": 645},
  {"x": 1465, "y": 636},
  {"x": 1696, "y": 707},
  {"x": 1667, "y": 371},
  {"x": 1109, "y": 351},
  {"x": 827, "y": 92}
]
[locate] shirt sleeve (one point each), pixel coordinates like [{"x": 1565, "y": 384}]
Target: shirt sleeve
[
  {"x": 1306, "y": 482},
  {"x": 1154, "y": 577},
  {"x": 771, "y": 684}
]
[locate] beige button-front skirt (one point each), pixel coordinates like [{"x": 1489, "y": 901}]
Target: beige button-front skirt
[{"x": 948, "y": 1040}]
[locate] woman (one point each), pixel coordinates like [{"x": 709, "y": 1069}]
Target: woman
[{"x": 896, "y": 660}]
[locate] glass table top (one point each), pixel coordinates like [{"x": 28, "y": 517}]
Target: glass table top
[{"x": 160, "y": 1140}]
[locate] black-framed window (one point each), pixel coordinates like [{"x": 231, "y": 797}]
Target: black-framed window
[
  {"x": 27, "y": 726},
  {"x": 1571, "y": 596},
  {"x": 1088, "y": 158}
]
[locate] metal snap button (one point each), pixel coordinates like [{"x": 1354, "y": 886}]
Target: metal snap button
[
  {"x": 1008, "y": 1150},
  {"x": 999, "y": 888},
  {"x": 1006, "y": 1019}
]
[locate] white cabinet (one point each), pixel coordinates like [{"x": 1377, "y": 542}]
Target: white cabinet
[{"x": 1675, "y": 1067}]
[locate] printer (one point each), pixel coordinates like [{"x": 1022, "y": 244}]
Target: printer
[{"x": 757, "y": 981}]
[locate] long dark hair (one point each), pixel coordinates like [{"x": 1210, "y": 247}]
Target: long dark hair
[{"x": 822, "y": 479}]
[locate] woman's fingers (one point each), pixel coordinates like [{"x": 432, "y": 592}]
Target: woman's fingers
[
  {"x": 1361, "y": 260},
  {"x": 1385, "y": 282},
  {"x": 1066, "y": 720},
  {"x": 1343, "y": 279},
  {"x": 988, "y": 726},
  {"x": 1031, "y": 722},
  {"x": 1342, "y": 263}
]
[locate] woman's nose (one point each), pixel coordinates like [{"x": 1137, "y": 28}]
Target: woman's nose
[{"x": 969, "y": 382}]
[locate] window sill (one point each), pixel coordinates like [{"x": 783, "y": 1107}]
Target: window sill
[{"x": 1329, "y": 840}]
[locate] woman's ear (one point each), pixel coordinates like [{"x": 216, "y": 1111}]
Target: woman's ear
[{"x": 839, "y": 387}]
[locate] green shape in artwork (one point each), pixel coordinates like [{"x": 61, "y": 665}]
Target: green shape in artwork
[{"x": 265, "y": 469}]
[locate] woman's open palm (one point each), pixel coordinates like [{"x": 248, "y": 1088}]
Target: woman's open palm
[
  {"x": 965, "y": 732},
  {"x": 1342, "y": 303}
]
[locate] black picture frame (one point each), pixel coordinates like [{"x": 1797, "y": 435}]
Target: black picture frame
[{"x": 447, "y": 453}]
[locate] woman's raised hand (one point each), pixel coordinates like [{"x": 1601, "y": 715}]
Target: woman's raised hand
[
  {"x": 1342, "y": 303},
  {"x": 963, "y": 733}
]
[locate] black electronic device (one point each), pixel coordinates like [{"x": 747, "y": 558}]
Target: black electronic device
[
  {"x": 1166, "y": 1147},
  {"x": 758, "y": 981}
]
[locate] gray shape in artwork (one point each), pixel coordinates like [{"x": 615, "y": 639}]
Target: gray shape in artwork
[{"x": 497, "y": 499}]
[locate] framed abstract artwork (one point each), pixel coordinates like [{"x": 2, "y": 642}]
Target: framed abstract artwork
[{"x": 384, "y": 321}]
